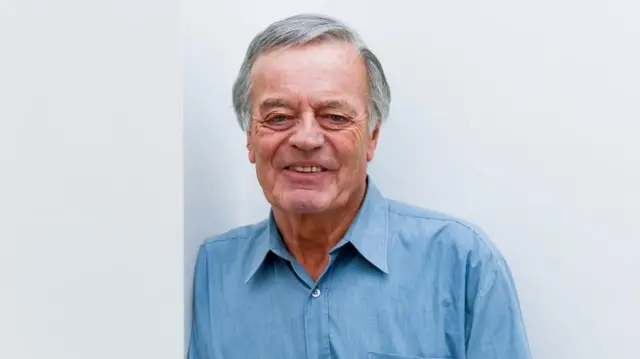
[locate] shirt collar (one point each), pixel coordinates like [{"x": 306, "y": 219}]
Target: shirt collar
[{"x": 368, "y": 233}]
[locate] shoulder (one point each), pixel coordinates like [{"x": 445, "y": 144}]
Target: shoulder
[
  {"x": 422, "y": 227},
  {"x": 235, "y": 242},
  {"x": 234, "y": 235}
]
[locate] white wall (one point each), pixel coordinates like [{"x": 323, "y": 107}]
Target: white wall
[
  {"x": 518, "y": 116},
  {"x": 91, "y": 235}
]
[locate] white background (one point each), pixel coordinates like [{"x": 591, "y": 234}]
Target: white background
[
  {"x": 91, "y": 190},
  {"x": 520, "y": 116}
]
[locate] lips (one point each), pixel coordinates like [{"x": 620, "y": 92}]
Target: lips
[{"x": 305, "y": 169}]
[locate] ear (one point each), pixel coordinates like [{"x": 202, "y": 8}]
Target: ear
[
  {"x": 251, "y": 153},
  {"x": 373, "y": 142}
]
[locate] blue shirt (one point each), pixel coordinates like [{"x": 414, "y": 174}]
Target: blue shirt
[{"x": 404, "y": 282}]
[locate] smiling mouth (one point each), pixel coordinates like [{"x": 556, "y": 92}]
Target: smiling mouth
[{"x": 306, "y": 169}]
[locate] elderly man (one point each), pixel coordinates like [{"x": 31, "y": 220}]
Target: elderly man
[{"x": 337, "y": 270}]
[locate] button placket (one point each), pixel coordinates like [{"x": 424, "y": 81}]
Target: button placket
[{"x": 317, "y": 316}]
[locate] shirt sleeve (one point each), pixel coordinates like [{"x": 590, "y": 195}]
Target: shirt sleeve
[
  {"x": 199, "y": 343},
  {"x": 494, "y": 326}
]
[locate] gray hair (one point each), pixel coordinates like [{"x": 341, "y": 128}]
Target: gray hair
[{"x": 300, "y": 30}]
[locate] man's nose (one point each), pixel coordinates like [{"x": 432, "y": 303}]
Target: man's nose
[{"x": 308, "y": 134}]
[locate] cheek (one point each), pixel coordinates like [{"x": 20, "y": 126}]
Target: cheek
[
  {"x": 351, "y": 147},
  {"x": 361, "y": 143},
  {"x": 265, "y": 150}
]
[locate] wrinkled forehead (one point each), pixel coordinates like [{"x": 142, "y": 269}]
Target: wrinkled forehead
[{"x": 315, "y": 70}]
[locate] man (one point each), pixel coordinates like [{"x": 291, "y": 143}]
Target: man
[{"x": 338, "y": 270}]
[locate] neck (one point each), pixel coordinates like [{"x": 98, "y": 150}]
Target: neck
[{"x": 310, "y": 237}]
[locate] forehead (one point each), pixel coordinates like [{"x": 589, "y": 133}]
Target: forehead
[{"x": 313, "y": 71}]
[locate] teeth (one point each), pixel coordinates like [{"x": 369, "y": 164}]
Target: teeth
[{"x": 306, "y": 168}]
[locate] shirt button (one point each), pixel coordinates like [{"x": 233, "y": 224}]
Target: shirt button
[{"x": 316, "y": 293}]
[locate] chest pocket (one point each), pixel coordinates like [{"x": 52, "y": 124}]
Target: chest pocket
[{"x": 373, "y": 355}]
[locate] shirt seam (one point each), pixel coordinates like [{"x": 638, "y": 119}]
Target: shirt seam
[
  {"x": 473, "y": 230},
  {"x": 215, "y": 240},
  {"x": 253, "y": 230},
  {"x": 477, "y": 235}
]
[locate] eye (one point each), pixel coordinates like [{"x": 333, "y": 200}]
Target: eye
[
  {"x": 278, "y": 118},
  {"x": 279, "y": 121},
  {"x": 337, "y": 118}
]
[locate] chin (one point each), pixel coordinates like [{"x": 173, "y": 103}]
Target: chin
[{"x": 306, "y": 203}]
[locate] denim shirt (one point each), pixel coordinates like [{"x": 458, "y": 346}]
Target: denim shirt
[{"x": 404, "y": 282}]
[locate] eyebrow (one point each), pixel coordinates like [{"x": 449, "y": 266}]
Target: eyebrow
[
  {"x": 271, "y": 103},
  {"x": 274, "y": 103},
  {"x": 338, "y": 105}
]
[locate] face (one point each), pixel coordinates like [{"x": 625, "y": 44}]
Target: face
[{"x": 309, "y": 136}]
